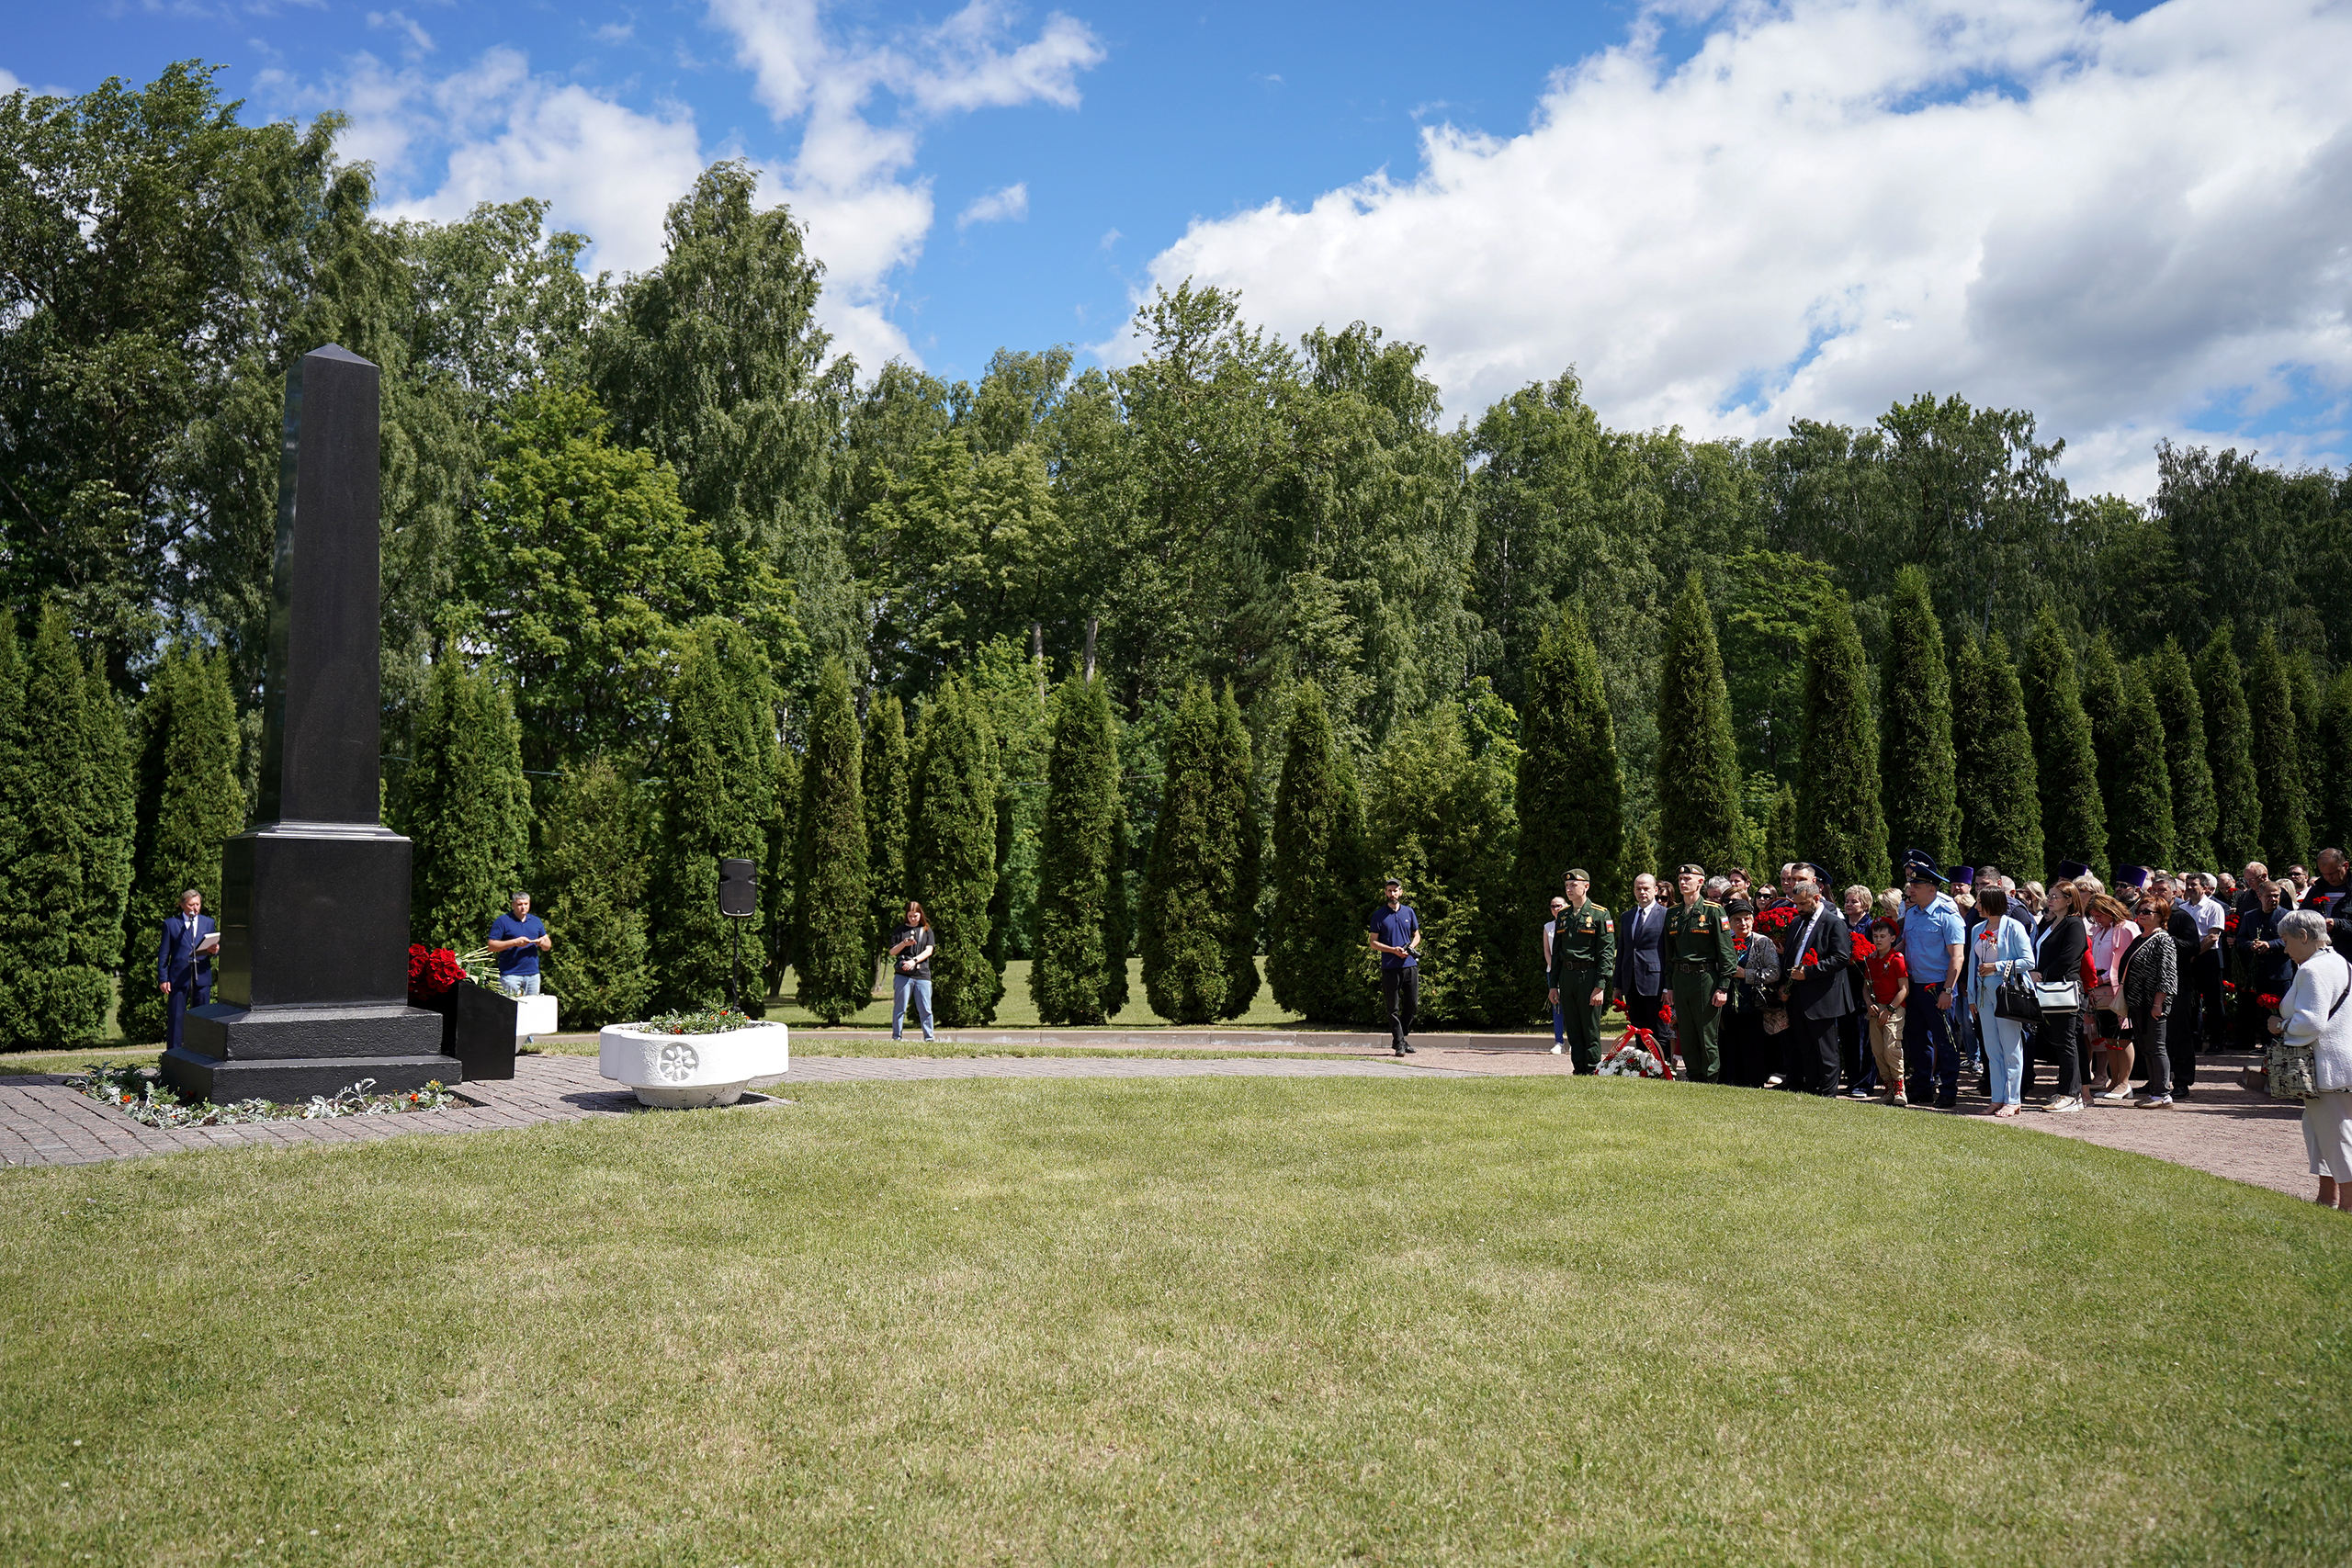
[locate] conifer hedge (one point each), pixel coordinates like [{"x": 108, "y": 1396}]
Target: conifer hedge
[
  {"x": 716, "y": 796},
  {"x": 1915, "y": 766},
  {"x": 2182, "y": 713},
  {"x": 2101, "y": 678},
  {"x": 2229, "y": 748},
  {"x": 2074, "y": 817},
  {"x": 188, "y": 802},
  {"x": 1193, "y": 873},
  {"x": 1840, "y": 822},
  {"x": 1571, "y": 788},
  {"x": 952, "y": 850},
  {"x": 468, "y": 808},
  {"x": 1069, "y": 978},
  {"x": 2139, "y": 813},
  {"x": 2334, "y": 825},
  {"x": 1442, "y": 822},
  {"x": 1236, "y": 783},
  {"x": 1322, "y": 874},
  {"x": 1698, "y": 761},
  {"x": 888, "y": 778},
  {"x": 2000, "y": 806},
  {"x": 2277, "y": 747},
  {"x": 779, "y": 876},
  {"x": 832, "y": 944},
  {"x": 591, "y": 870}
]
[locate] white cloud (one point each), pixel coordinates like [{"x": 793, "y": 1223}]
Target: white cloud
[
  {"x": 420, "y": 41},
  {"x": 1010, "y": 204},
  {"x": 1837, "y": 203},
  {"x": 494, "y": 132},
  {"x": 850, "y": 180}
]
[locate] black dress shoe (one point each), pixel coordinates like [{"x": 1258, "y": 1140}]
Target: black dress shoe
[
  {"x": 1410, "y": 1051},
  {"x": 1947, "y": 1101}
]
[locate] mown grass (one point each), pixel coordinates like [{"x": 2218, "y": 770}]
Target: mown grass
[{"x": 1199, "y": 1321}]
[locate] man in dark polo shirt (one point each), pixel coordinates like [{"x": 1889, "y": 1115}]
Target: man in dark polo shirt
[{"x": 1395, "y": 933}]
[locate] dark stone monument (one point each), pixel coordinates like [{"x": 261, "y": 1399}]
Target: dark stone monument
[{"x": 313, "y": 994}]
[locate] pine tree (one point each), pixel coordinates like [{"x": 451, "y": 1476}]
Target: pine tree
[
  {"x": 2000, "y": 808},
  {"x": 1322, "y": 873},
  {"x": 716, "y": 795},
  {"x": 767, "y": 795},
  {"x": 1839, "y": 820},
  {"x": 2111, "y": 741},
  {"x": 779, "y": 874},
  {"x": 952, "y": 850},
  {"x": 2140, "y": 824},
  {"x": 2277, "y": 756},
  {"x": 2335, "y": 827},
  {"x": 1118, "y": 918},
  {"x": 1193, "y": 871},
  {"x": 68, "y": 782},
  {"x": 468, "y": 808},
  {"x": 1781, "y": 837},
  {"x": 1698, "y": 762},
  {"x": 885, "y": 795},
  {"x": 832, "y": 944},
  {"x": 2303, "y": 688},
  {"x": 2074, "y": 819},
  {"x": 1236, "y": 790},
  {"x": 1640, "y": 857},
  {"x": 591, "y": 873},
  {"x": 2229, "y": 748},
  {"x": 1917, "y": 789},
  {"x": 18, "y": 936},
  {"x": 188, "y": 803},
  {"x": 1571, "y": 789},
  {"x": 1070, "y": 974},
  {"x": 2182, "y": 713}
]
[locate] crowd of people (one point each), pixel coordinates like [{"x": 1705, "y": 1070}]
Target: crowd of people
[{"x": 2061, "y": 998}]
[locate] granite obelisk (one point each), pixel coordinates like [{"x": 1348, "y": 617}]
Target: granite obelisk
[{"x": 312, "y": 994}]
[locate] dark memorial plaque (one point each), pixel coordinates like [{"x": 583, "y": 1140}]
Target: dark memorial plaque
[{"x": 313, "y": 994}]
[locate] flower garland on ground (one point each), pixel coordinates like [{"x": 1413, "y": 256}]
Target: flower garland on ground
[
  {"x": 155, "y": 1103},
  {"x": 1636, "y": 1057}
]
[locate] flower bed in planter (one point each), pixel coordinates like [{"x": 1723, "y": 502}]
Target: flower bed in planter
[{"x": 685, "y": 1061}]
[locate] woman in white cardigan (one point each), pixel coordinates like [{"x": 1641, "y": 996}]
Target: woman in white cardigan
[{"x": 2312, "y": 1016}]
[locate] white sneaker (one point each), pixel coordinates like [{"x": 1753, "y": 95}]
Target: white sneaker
[
  {"x": 1556, "y": 1050},
  {"x": 1773, "y": 1082},
  {"x": 2065, "y": 1104},
  {"x": 2124, "y": 1093}
]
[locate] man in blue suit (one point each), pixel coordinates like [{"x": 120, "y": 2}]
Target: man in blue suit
[
  {"x": 184, "y": 962},
  {"x": 1640, "y": 980}
]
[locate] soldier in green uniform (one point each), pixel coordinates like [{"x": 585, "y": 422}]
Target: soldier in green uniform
[
  {"x": 1583, "y": 954},
  {"x": 1699, "y": 960}
]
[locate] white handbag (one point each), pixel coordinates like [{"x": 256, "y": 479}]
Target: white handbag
[{"x": 2058, "y": 996}]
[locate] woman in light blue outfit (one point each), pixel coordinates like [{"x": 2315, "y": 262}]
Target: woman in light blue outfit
[{"x": 1999, "y": 949}]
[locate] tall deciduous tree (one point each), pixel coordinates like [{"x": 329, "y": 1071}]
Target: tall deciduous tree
[
  {"x": 952, "y": 850},
  {"x": 1571, "y": 789},
  {"x": 1915, "y": 765},
  {"x": 2182, "y": 713},
  {"x": 1195, "y": 878},
  {"x": 468, "y": 808},
  {"x": 885, "y": 798},
  {"x": 2139, "y": 813},
  {"x": 2229, "y": 747},
  {"x": 2000, "y": 808},
  {"x": 1839, "y": 820},
  {"x": 1322, "y": 874},
  {"x": 2277, "y": 753},
  {"x": 1069, "y": 977},
  {"x": 1698, "y": 761},
  {"x": 2074, "y": 818},
  {"x": 591, "y": 870},
  {"x": 830, "y": 949},
  {"x": 65, "y": 774},
  {"x": 188, "y": 802},
  {"x": 717, "y": 771}
]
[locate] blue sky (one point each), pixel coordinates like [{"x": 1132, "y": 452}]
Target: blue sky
[{"x": 1723, "y": 217}]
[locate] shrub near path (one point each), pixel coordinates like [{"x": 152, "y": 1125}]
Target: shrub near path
[{"x": 1491, "y": 1321}]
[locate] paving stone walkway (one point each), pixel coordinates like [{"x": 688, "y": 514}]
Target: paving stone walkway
[
  {"x": 44, "y": 1123},
  {"x": 2223, "y": 1129}
]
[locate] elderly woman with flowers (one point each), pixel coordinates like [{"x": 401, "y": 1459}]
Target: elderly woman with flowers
[{"x": 2312, "y": 1057}]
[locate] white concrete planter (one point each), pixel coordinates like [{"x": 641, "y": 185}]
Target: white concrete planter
[
  {"x": 535, "y": 1015},
  {"x": 678, "y": 1072}
]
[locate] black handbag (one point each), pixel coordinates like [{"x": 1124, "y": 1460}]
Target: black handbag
[{"x": 2015, "y": 999}]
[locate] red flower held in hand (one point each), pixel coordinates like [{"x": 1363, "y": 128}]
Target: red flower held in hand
[{"x": 2268, "y": 1000}]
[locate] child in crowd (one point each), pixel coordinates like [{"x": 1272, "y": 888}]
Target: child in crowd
[{"x": 1890, "y": 988}]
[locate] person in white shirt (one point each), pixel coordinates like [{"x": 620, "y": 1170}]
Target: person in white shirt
[
  {"x": 2200, "y": 1018},
  {"x": 2312, "y": 1016},
  {"x": 1559, "y": 1023}
]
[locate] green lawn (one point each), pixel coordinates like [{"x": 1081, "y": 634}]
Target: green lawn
[
  {"x": 1202, "y": 1321},
  {"x": 1016, "y": 1010}
]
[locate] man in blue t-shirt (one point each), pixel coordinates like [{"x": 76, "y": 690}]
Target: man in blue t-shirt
[
  {"x": 518, "y": 937},
  {"x": 1396, "y": 936},
  {"x": 1933, "y": 938}
]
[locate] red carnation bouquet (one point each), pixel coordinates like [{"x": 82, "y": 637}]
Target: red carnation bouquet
[
  {"x": 432, "y": 970},
  {"x": 2268, "y": 1001},
  {"x": 1777, "y": 918},
  {"x": 1863, "y": 947}
]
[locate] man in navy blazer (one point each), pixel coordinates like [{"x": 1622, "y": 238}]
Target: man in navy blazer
[
  {"x": 1640, "y": 980},
  {"x": 184, "y": 962}
]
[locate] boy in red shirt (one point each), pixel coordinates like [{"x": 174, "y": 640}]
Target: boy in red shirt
[{"x": 1890, "y": 988}]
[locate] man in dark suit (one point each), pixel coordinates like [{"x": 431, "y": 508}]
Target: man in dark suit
[
  {"x": 184, "y": 962},
  {"x": 1640, "y": 978},
  {"x": 1817, "y": 952}
]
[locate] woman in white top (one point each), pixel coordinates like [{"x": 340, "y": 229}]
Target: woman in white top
[{"x": 2312, "y": 1016}]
